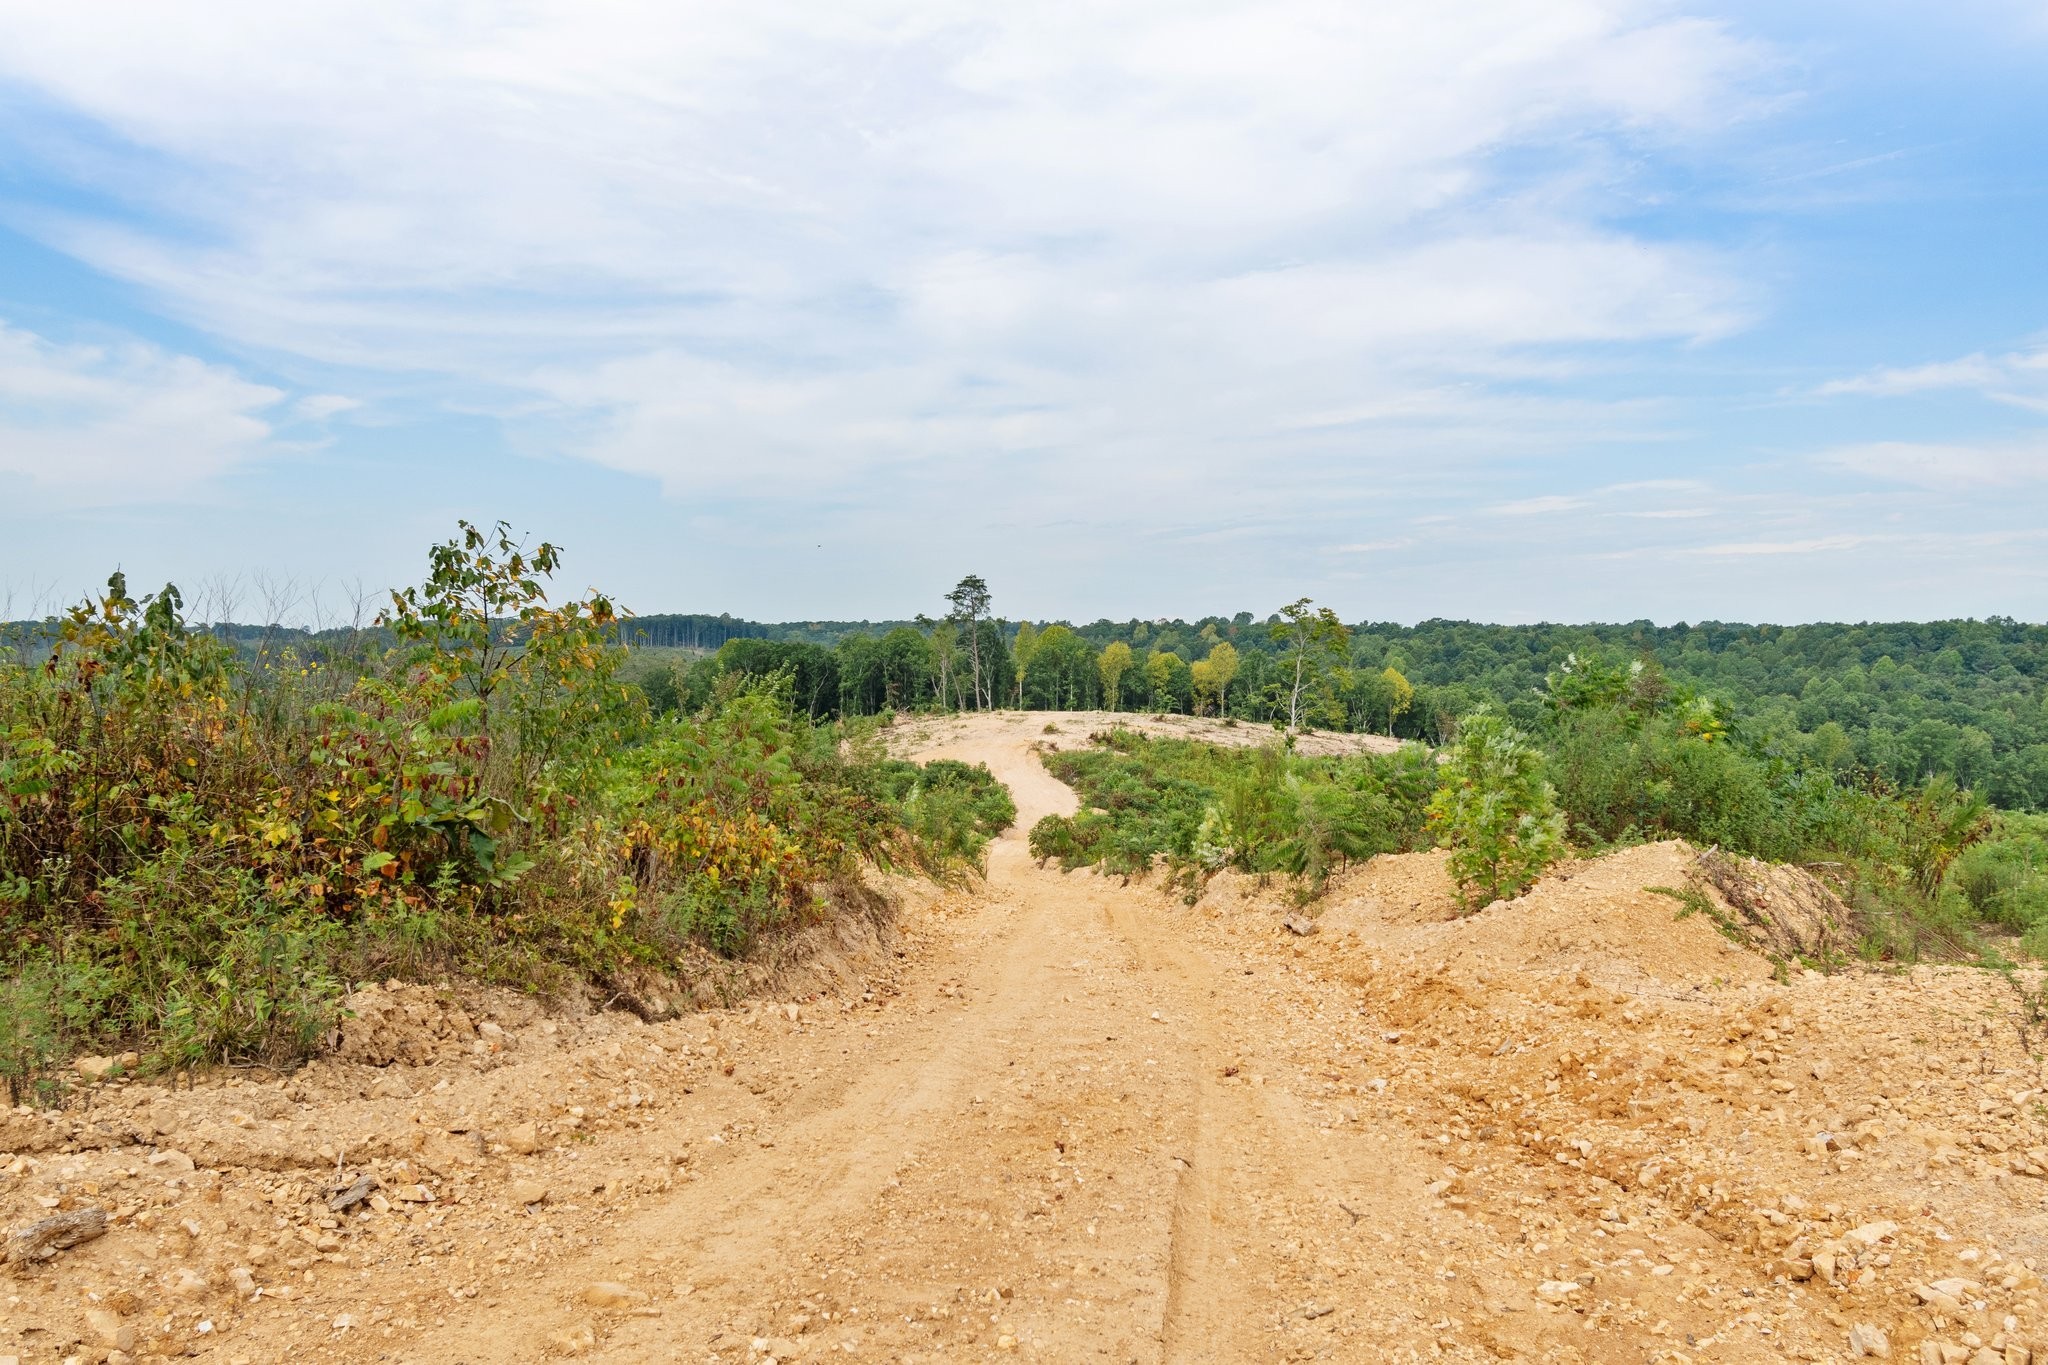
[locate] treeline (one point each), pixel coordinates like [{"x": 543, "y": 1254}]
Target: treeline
[
  {"x": 1901, "y": 702},
  {"x": 1898, "y": 701}
]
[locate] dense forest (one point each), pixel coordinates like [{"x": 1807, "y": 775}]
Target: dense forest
[{"x": 1900, "y": 701}]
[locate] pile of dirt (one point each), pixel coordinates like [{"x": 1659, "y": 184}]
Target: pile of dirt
[
  {"x": 1395, "y": 888},
  {"x": 1784, "y": 911},
  {"x": 1621, "y": 915},
  {"x": 395, "y": 1022},
  {"x": 1616, "y": 916}
]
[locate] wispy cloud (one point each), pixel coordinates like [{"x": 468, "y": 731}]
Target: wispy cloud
[
  {"x": 105, "y": 424},
  {"x": 764, "y": 244},
  {"x": 2019, "y": 378},
  {"x": 1817, "y": 545},
  {"x": 1951, "y": 466},
  {"x": 1548, "y": 505}
]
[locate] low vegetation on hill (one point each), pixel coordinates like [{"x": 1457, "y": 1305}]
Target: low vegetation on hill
[
  {"x": 1930, "y": 869},
  {"x": 201, "y": 845}
]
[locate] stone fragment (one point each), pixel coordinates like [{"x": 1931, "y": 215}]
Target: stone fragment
[
  {"x": 94, "y": 1068},
  {"x": 109, "y": 1330},
  {"x": 523, "y": 1138},
  {"x": 1939, "y": 1300},
  {"x": 354, "y": 1193},
  {"x": 611, "y": 1294},
  {"x": 527, "y": 1192},
  {"x": 187, "y": 1283},
  {"x": 1299, "y": 924},
  {"x": 1557, "y": 1291},
  {"x": 1865, "y": 1340},
  {"x": 1870, "y": 1234}
]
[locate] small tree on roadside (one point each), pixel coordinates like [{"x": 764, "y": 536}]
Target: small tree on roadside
[
  {"x": 1494, "y": 811},
  {"x": 1021, "y": 650}
]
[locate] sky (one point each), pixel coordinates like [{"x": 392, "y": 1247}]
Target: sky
[{"x": 1504, "y": 310}]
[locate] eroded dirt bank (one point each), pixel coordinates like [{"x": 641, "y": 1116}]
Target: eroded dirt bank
[{"x": 1070, "y": 1119}]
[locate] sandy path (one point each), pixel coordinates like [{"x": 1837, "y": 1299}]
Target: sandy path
[{"x": 1048, "y": 1158}]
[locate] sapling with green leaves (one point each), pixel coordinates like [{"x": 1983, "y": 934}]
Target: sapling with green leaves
[{"x": 1494, "y": 811}]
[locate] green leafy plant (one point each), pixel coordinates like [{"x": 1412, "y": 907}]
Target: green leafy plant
[{"x": 1494, "y": 811}]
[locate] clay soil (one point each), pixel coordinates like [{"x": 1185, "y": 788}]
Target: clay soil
[{"x": 1065, "y": 1118}]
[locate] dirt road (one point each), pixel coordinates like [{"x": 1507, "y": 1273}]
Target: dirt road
[
  {"x": 1078, "y": 1120},
  {"x": 1042, "y": 1153}
]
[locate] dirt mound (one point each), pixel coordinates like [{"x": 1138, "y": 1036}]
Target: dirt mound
[
  {"x": 1785, "y": 911},
  {"x": 1620, "y": 915},
  {"x": 395, "y": 1022},
  {"x": 1612, "y": 916},
  {"x": 1394, "y": 888},
  {"x": 1606, "y": 915}
]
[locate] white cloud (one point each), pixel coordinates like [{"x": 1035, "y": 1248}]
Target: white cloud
[
  {"x": 1949, "y": 467},
  {"x": 122, "y": 423},
  {"x": 320, "y": 407},
  {"x": 1816, "y": 545},
  {"x": 729, "y": 247},
  {"x": 1549, "y": 505},
  {"x": 2019, "y": 378}
]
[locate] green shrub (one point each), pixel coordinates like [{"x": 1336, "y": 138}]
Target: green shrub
[
  {"x": 1494, "y": 811},
  {"x": 201, "y": 844},
  {"x": 1200, "y": 808}
]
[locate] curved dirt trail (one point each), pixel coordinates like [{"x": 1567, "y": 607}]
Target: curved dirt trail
[{"x": 1068, "y": 1151}]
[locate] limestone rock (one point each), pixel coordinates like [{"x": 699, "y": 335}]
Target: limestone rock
[
  {"x": 611, "y": 1294},
  {"x": 109, "y": 1330}
]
